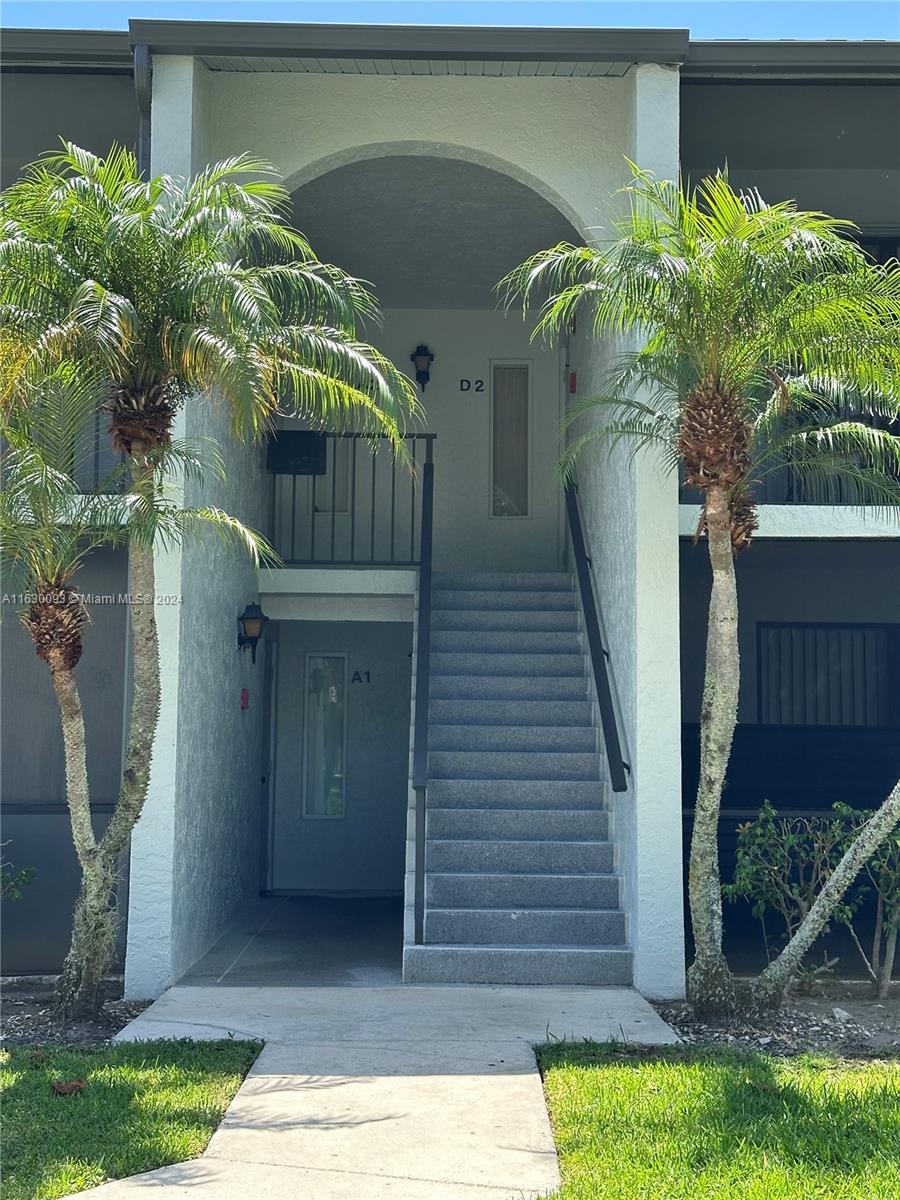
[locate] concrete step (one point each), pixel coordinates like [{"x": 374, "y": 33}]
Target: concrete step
[
  {"x": 525, "y": 926},
  {"x": 546, "y": 601},
  {"x": 521, "y": 857},
  {"x": 515, "y": 793},
  {"x": 503, "y": 581},
  {"x": 520, "y": 824},
  {"x": 506, "y": 641},
  {"x": 570, "y": 713},
  {"x": 512, "y": 737},
  {"x": 454, "y": 663},
  {"x": 468, "y": 890},
  {"x": 518, "y": 764},
  {"x": 508, "y": 687},
  {"x": 523, "y": 618},
  {"x": 524, "y": 965}
]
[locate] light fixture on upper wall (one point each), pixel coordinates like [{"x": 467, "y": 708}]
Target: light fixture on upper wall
[
  {"x": 422, "y": 358},
  {"x": 251, "y": 624}
]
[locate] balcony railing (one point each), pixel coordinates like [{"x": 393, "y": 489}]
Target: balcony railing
[
  {"x": 347, "y": 499},
  {"x": 784, "y": 487}
]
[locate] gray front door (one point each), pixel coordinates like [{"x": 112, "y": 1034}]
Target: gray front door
[{"x": 342, "y": 715}]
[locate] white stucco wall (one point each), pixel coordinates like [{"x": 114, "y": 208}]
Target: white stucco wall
[
  {"x": 194, "y": 854},
  {"x": 565, "y": 138},
  {"x": 840, "y": 521},
  {"x": 631, "y": 513},
  {"x": 467, "y": 536},
  {"x": 466, "y": 343}
]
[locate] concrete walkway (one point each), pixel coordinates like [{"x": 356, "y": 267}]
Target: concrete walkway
[{"x": 412, "y": 1093}]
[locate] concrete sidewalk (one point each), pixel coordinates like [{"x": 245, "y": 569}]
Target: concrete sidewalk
[{"x": 412, "y": 1093}]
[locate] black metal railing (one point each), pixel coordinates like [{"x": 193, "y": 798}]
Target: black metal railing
[
  {"x": 423, "y": 677},
  {"x": 355, "y": 502},
  {"x": 783, "y": 483},
  {"x": 784, "y": 486},
  {"x": 618, "y": 767}
]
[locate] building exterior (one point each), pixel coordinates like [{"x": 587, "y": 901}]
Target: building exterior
[{"x": 431, "y": 161}]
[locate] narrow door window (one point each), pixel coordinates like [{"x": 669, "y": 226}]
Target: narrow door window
[
  {"x": 324, "y": 743},
  {"x": 510, "y": 449}
]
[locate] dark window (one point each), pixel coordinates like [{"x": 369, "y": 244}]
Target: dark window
[
  {"x": 812, "y": 674},
  {"x": 882, "y": 249}
]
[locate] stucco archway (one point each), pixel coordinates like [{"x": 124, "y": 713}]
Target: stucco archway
[
  {"x": 440, "y": 150},
  {"x": 427, "y": 230}
]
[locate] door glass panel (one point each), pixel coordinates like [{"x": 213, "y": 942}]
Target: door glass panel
[
  {"x": 509, "y": 441},
  {"x": 325, "y": 736}
]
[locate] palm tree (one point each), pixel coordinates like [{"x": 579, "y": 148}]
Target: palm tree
[
  {"x": 765, "y": 334},
  {"x": 48, "y": 528},
  {"x": 172, "y": 292}
]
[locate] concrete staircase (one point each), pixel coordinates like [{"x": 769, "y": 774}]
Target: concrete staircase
[{"x": 520, "y": 872}]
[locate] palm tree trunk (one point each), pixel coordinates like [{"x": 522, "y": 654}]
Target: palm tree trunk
[
  {"x": 145, "y": 700},
  {"x": 710, "y": 983},
  {"x": 768, "y": 989},
  {"x": 96, "y": 918},
  {"x": 886, "y": 970},
  {"x": 78, "y": 990}
]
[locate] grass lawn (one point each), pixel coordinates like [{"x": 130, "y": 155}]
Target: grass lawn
[
  {"x": 143, "y": 1105},
  {"x": 705, "y": 1124}
]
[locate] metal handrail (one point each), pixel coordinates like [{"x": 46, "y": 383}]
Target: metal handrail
[
  {"x": 423, "y": 677},
  {"x": 375, "y": 526},
  {"x": 618, "y": 767}
]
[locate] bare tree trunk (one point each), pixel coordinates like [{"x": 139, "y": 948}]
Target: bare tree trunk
[
  {"x": 886, "y": 970},
  {"x": 710, "y": 983},
  {"x": 768, "y": 989}
]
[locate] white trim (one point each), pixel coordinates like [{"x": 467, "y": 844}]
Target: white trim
[
  {"x": 331, "y": 581},
  {"x": 806, "y": 521}
]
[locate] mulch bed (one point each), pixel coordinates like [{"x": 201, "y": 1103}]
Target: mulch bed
[
  {"x": 27, "y": 1017},
  {"x": 839, "y": 1023}
]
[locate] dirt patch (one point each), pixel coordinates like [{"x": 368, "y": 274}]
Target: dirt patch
[
  {"x": 841, "y": 1020},
  {"x": 27, "y": 1017}
]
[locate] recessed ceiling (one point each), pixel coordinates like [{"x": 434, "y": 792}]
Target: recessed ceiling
[{"x": 428, "y": 232}]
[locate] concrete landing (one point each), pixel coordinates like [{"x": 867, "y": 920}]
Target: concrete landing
[{"x": 412, "y": 1093}]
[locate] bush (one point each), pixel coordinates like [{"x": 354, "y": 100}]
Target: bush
[{"x": 783, "y": 863}]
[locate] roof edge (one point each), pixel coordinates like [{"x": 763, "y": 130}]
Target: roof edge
[
  {"x": 825, "y": 59},
  {"x": 259, "y": 40},
  {"x": 103, "y": 49}
]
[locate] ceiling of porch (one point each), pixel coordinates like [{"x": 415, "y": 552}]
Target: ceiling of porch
[{"x": 428, "y": 232}]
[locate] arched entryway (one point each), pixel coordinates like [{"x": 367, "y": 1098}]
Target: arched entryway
[{"x": 434, "y": 235}]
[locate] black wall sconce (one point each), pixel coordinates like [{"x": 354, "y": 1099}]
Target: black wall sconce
[
  {"x": 422, "y": 358},
  {"x": 251, "y": 624}
]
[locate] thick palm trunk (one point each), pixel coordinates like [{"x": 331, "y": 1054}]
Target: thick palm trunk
[
  {"x": 768, "y": 989},
  {"x": 96, "y": 918},
  {"x": 711, "y": 987},
  {"x": 145, "y": 698},
  {"x": 79, "y": 986}
]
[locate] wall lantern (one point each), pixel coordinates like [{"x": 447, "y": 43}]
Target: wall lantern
[
  {"x": 422, "y": 358},
  {"x": 251, "y": 624}
]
